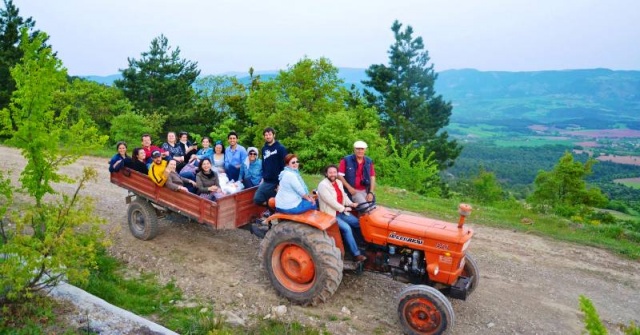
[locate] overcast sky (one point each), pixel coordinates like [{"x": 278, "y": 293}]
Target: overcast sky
[{"x": 95, "y": 37}]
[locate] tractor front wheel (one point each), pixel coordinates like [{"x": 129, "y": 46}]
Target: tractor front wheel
[
  {"x": 423, "y": 310},
  {"x": 303, "y": 263},
  {"x": 143, "y": 221},
  {"x": 472, "y": 271}
]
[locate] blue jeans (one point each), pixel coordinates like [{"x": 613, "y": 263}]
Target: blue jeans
[
  {"x": 347, "y": 223},
  {"x": 188, "y": 175},
  {"x": 303, "y": 206}
]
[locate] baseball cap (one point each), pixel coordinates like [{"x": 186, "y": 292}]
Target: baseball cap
[
  {"x": 156, "y": 154},
  {"x": 360, "y": 144}
]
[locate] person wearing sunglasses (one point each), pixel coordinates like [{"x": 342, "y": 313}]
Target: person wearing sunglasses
[
  {"x": 251, "y": 169},
  {"x": 293, "y": 195}
]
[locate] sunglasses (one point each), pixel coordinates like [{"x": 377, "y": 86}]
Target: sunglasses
[
  {"x": 253, "y": 154},
  {"x": 294, "y": 162}
]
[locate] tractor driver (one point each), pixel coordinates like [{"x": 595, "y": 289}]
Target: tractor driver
[{"x": 358, "y": 175}]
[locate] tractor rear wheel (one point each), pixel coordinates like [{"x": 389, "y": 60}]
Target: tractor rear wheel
[
  {"x": 143, "y": 221},
  {"x": 472, "y": 271},
  {"x": 423, "y": 310},
  {"x": 303, "y": 263}
]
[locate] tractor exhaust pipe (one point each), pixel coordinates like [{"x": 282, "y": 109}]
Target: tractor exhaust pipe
[{"x": 464, "y": 210}]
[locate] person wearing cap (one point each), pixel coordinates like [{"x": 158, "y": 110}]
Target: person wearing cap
[
  {"x": 234, "y": 156},
  {"x": 187, "y": 146},
  {"x": 150, "y": 148},
  {"x": 251, "y": 169},
  {"x": 357, "y": 174},
  {"x": 156, "y": 169}
]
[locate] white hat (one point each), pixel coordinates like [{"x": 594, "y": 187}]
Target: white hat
[{"x": 360, "y": 144}]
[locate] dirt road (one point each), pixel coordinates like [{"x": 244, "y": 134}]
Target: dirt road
[{"x": 529, "y": 284}]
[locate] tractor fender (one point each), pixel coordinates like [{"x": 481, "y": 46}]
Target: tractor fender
[{"x": 316, "y": 219}]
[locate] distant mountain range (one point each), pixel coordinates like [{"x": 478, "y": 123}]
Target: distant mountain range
[{"x": 582, "y": 97}]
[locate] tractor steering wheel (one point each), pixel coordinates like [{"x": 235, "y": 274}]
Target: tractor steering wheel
[{"x": 365, "y": 207}]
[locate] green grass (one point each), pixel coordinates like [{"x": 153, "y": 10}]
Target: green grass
[
  {"x": 531, "y": 141},
  {"x": 483, "y": 131},
  {"x": 632, "y": 184},
  {"x": 145, "y": 296}
]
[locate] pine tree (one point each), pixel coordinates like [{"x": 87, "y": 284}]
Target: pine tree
[
  {"x": 161, "y": 82},
  {"x": 405, "y": 98}
]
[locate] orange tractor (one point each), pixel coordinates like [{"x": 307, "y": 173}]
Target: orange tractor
[
  {"x": 304, "y": 255},
  {"x": 304, "y": 258}
]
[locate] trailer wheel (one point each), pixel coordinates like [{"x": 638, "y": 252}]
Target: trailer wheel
[
  {"x": 303, "y": 263},
  {"x": 143, "y": 221},
  {"x": 423, "y": 310},
  {"x": 472, "y": 271}
]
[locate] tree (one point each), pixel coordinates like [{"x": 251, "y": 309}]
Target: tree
[
  {"x": 404, "y": 95},
  {"x": 485, "y": 187},
  {"x": 45, "y": 242},
  {"x": 93, "y": 102},
  {"x": 221, "y": 106},
  {"x": 564, "y": 188},
  {"x": 161, "y": 82},
  {"x": 130, "y": 126},
  {"x": 10, "y": 25},
  {"x": 311, "y": 112}
]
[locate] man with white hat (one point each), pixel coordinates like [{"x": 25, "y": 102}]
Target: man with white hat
[{"x": 357, "y": 174}]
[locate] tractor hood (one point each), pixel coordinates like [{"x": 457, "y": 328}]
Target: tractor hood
[{"x": 412, "y": 229}]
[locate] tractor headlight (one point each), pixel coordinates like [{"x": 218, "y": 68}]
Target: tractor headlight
[{"x": 433, "y": 269}]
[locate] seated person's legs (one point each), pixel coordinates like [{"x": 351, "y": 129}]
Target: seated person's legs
[
  {"x": 354, "y": 223},
  {"x": 188, "y": 175},
  {"x": 305, "y": 205},
  {"x": 264, "y": 192},
  {"x": 347, "y": 237}
]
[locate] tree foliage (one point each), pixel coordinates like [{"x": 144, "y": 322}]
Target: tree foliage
[
  {"x": 409, "y": 167},
  {"x": 485, "y": 188},
  {"x": 10, "y": 25},
  {"x": 92, "y": 102},
  {"x": 404, "y": 95},
  {"x": 221, "y": 107},
  {"x": 160, "y": 81},
  {"x": 43, "y": 243},
  {"x": 312, "y": 114},
  {"x": 130, "y": 126},
  {"x": 564, "y": 188}
]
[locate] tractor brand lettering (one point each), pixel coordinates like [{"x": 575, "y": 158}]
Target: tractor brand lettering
[
  {"x": 405, "y": 238},
  {"x": 442, "y": 246}
]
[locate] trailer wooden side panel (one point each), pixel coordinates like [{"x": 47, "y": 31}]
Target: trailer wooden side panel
[{"x": 228, "y": 212}]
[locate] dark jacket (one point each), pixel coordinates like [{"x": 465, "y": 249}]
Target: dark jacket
[
  {"x": 204, "y": 181},
  {"x": 352, "y": 166},
  {"x": 273, "y": 161},
  {"x": 116, "y": 158},
  {"x": 136, "y": 165}
]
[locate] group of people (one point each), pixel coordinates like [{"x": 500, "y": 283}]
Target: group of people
[{"x": 180, "y": 166}]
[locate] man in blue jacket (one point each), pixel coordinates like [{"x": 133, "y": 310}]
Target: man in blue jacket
[{"x": 273, "y": 154}]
